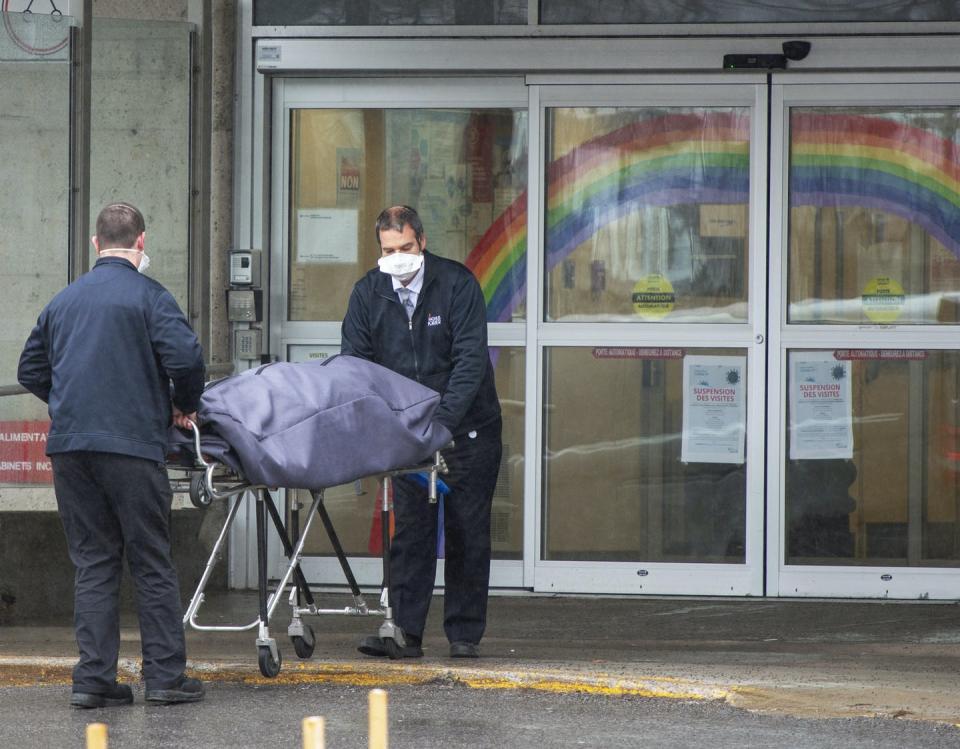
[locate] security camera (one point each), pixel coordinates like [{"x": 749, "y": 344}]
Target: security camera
[{"x": 796, "y": 49}]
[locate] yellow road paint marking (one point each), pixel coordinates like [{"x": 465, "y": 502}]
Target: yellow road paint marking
[
  {"x": 566, "y": 687},
  {"x": 37, "y": 673}
]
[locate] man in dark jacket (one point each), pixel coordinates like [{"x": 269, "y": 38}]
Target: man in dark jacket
[
  {"x": 103, "y": 355},
  {"x": 424, "y": 316}
]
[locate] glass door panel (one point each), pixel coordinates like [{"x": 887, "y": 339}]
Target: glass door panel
[
  {"x": 647, "y": 214},
  {"x": 883, "y": 490},
  {"x": 455, "y": 151},
  {"x": 874, "y": 235},
  {"x": 464, "y": 170},
  {"x": 355, "y": 508},
  {"x": 35, "y": 128},
  {"x": 621, "y": 484}
]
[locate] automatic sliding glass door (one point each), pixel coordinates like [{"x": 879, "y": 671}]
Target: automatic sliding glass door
[
  {"x": 652, "y": 350},
  {"x": 865, "y": 453}
]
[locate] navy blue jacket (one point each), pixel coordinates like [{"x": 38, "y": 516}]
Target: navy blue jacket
[
  {"x": 444, "y": 345},
  {"x": 103, "y": 354}
]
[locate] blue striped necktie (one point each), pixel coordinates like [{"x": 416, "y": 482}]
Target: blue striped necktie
[{"x": 406, "y": 301}]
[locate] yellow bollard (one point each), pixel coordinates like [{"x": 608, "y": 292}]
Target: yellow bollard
[
  {"x": 96, "y": 736},
  {"x": 378, "y": 719},
  {"x": 313, "y": 732}
]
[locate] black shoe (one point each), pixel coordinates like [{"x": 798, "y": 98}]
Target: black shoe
[
  {"x": 464, "y": 650},
  {"x": 375, "y": 646},
  {"x": 186, "y": 689},
  {"x": 118, "y": 694}
]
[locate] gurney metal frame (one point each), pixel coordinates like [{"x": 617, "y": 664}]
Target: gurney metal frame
[{"x": 211, "y": 480}]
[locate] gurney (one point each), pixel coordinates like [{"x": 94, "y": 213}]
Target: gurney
[{"x": 210, "y": 470}]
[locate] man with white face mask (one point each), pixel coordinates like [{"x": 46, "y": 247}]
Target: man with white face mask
[
  {"x": 424, "y": 316},
  {"x": 103, "y": 356}
]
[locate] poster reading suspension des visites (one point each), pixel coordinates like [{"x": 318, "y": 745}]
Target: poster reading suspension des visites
[
  {"x": 714, "y": 409},
  {"x": 821, "y": 411}
]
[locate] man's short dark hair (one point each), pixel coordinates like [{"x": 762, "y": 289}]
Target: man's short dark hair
[
  {"x": 395, "y": 218},
  {"x": 118, "y": 226}
]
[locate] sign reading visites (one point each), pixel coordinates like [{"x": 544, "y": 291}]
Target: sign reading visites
[{"x": 23, "y": 458}]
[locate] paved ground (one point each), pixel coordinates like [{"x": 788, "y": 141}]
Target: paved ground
[
  {"x": 443, "y": 715},
  {"x": 797, "y": 658}
]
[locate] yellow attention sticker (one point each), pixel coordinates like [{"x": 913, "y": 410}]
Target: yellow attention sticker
[
  {"x": 653, "y": 297},
  {"x": 882, "y": 300}
]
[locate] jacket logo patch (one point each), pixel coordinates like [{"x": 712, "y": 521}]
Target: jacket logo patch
[{"x": 433, "y": 320}]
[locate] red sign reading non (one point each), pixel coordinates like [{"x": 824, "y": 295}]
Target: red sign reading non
[
  {"x": 23, "y": 458},
  {"x": 885, "y": 354},
  {"x": 633, "y": 352}
]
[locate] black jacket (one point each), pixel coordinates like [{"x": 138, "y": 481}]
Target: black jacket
[
  {"x": 103, "y": 354},
  {"x": 444, "y": 345}
]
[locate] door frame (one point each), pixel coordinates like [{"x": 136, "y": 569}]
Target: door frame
[{"x": 261, "y": 58}]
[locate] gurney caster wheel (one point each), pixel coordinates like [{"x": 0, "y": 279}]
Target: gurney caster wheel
[
  {"x": 304, "y": 645},
  {"x": 268, "y": 666},
  {"x": 198, "y": 491},
  {"x": 393, "y": 650}
]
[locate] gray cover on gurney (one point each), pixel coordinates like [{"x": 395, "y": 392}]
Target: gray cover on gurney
[{"x": 322, "y": 423}]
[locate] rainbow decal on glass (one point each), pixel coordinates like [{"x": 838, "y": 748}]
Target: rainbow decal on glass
[
  {"x": 836, "y": 160},
  {"x": 860, "y": 161},
  {"x": 499, "y": 261},
  {"x": 673, "y": 159}
]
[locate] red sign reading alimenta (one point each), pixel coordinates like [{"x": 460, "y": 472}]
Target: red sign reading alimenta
[{"x": 23, "y": 458}]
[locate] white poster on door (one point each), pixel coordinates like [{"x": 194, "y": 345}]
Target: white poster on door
[
  {"x": 821, "y": 410},
  {"x": 714, "y": 409},
  {"x": 327, "y": 235}
]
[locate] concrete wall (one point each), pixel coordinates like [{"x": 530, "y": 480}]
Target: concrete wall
[
  {"x": 140, "y": 135},
  {"x": 37, "y": 582},
  {"x": 221, "y": 177},
  {"x": 139, "y": 152}
]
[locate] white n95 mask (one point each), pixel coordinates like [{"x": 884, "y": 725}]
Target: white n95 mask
[{"x": 401, "y": 265}]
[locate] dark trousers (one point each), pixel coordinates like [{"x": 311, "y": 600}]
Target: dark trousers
[
  {"x": 474, "y": 463},
  {"x": 113, "y": 505}
]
